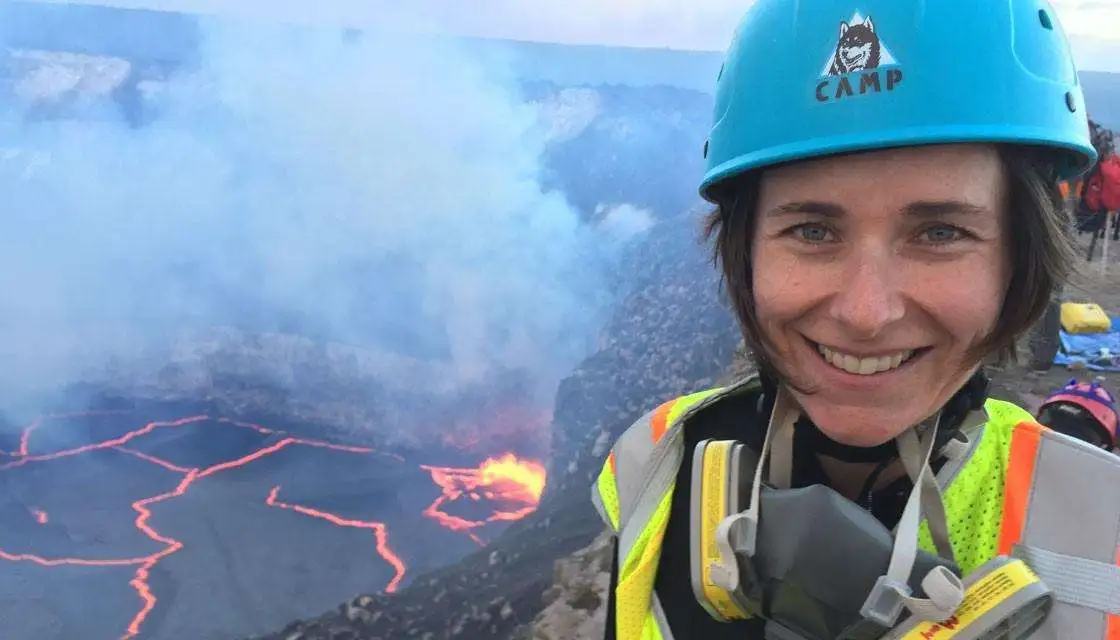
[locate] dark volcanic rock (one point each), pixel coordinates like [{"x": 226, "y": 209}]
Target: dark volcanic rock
[
  {"x": 360, "y": 394},
  {"x": 669, "y": 336},
  {"x": 490, "y": 594},
  {"x": 617, "y": 144}
]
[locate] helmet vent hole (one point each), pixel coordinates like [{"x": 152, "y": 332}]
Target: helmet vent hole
[
  {"x": 1044, "y": 18},
  {"x": 720, "y": 75}
]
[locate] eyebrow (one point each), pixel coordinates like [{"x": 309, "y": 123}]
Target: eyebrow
[
  {"x": 918, "y": 209},
  {"x": 943, "y": 208}
]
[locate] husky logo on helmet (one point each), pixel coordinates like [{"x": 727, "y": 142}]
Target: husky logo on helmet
[{"x": 859, "y": 50}]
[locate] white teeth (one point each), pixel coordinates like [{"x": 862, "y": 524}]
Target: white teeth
[{"x": 863, "y": 366}]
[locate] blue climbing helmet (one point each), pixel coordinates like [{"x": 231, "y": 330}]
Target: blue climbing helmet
[{"x": 808, "y": 79}]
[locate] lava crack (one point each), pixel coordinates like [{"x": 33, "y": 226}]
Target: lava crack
[
  {"x": 504, "y": 479},
  {"x": 381, "y": 535}
]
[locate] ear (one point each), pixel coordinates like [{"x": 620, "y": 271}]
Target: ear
[
  {"x": 843, "y": 28},
  {"x": 870, "y": 25}
]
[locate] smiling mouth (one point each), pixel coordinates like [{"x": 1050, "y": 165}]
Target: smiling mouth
[{"x": 867, "y": 366}]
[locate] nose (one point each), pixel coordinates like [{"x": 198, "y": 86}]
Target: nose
[{"x": 869, "y": 299}]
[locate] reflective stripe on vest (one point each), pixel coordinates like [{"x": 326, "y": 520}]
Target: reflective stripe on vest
[
  {"x": 1062, "y": 516},
  {"x": 633, "y": 494},
  {"x": 616, "y": 493},
  {"x": 991, "y": 479}
]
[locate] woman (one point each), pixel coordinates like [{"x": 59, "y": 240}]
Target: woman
[{"x": 887, "y": 216}]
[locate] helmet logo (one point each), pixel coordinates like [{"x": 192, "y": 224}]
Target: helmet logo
[{"x": 859, "y": 50}]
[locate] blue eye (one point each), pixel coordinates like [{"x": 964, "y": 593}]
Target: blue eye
[
  {"x": 810, "y": 232},
  {"x": 942, "y": 234}
]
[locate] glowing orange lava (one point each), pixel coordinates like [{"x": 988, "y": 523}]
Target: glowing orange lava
[
  {"x": 505, "y": 479},
  {"x": 379, "y": 532}
]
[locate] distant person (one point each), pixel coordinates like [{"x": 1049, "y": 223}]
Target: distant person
[
  {"x": 1084, "y": 410},
  {"x": 1100, "y": 202},
  {"x": 886, "y": 219},
  {"x": 1090, "y": 213},
  {"x": 1109, "y": 170}
]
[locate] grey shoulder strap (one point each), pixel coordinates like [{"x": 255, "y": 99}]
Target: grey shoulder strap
[{"x": 1071, "y": 534}]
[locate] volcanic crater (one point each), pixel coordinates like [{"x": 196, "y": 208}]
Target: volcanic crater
[{"x": 142, "y": 519}]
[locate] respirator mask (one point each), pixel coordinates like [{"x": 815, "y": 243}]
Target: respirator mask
[{"x": 816, "y": 566}]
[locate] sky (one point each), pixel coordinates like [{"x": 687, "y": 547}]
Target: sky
[{"x": 678, "y": 24}]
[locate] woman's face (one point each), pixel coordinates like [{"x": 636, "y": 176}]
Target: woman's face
[{"x": 873, "y": 276}]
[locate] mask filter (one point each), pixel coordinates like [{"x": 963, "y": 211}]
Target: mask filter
[
  {"x": 721, "y": 474},
  {"x": 803, "y": 578}
]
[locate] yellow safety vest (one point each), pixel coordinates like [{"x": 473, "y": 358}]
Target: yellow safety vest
[{"x": 1019, "y": 489}]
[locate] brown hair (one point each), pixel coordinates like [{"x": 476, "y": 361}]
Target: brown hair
[{"x": 1040, "y": 250}]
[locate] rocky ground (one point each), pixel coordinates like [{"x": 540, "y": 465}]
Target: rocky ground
[{"x": 1098, "y": 282}]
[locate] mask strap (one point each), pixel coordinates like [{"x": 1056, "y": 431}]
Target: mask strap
[
  {"x": 932, "y": 503},
  {"x": 725, "y": 572},
  {"x": 782, "y": 419},
  {"x": 892, "y": 592},
  {"x": 780, "y": 471}
]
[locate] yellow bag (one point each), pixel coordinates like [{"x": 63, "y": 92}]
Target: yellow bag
[{"x": 1084, "y": 318}]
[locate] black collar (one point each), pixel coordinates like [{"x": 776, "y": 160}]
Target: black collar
[{"x": 968, "y": 398}]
